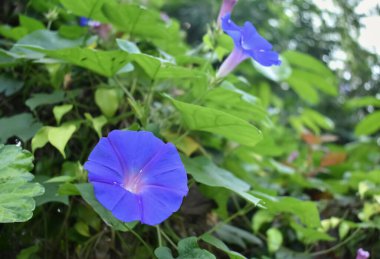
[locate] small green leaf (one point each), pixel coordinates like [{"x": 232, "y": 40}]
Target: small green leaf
[
  {"x": 188, "y": 248},
  {"x": 57, "y": 136},
  {"x": 274, "y": 240},
  {"x": 107, "y": 100},
  {"x": 87, "y": 192},
  {"x": 369, "y": 125},
  {"x": 60, "y": 111},
  {"x": 212, "y": 240},
  {"x": 363, "y": 102},
  {"x": 309, "y": 235},
  {"x": 44, "y": 99},
  {"x": 16, "y": 193},
  {"x": 211, "y": 120},
  {"x": 97, "y": 123}
]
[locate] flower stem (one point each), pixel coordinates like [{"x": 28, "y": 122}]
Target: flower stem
[{"x": 159, "y": 236}]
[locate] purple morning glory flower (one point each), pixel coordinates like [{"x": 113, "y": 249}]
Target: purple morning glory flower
[
  {"x": 137, "y": 176},
  {"x": 362, "y": 254},
  {"x": 226, "y": 7},
  {"x": 248, "y": 44},
  {"x": 83, "y": 21}
]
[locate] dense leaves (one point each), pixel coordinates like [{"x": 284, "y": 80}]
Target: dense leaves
[{"x": 282, "y": 162}]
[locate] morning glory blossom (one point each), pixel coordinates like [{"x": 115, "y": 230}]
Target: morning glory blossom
[
  {"x": 362, "y": 254},
  {"x": 226, "y": 7},
  {"x": 137, "y": 176},
  {"x": 248, "y": 44},
  {"x": 83, "y": 21}
]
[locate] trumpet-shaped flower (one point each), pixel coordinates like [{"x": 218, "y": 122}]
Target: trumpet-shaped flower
[
  {"x": 362, "y": 254},
  {"x": 137, "y": 176},
  {"x": 226, "y": 7},
  {"x": 248, "y": 44}
]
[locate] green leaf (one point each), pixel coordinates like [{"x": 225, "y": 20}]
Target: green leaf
[
  {"x": 363, "y": 102},
  {"x": 72, "y": 31},
  {"x": 28, "y": 253},
  {"x": 31, "y": 24},
  {"x": 9, "y": 86},
  {"x": 31, "y": 45},
  {"x": 87, "y": 8},
  {"x": 187, "y": 248},
  {"x": 22, "y": 125},
  {"x": 60, "y": 111},
  {"x": 206, "y": 172},
  {"x": 309, "y": 235},
  {"x": 87, "y": 192},
  {"x": 16, "y": 193},
  {"x": 238, "y": 236},
  {"x": 107, "y": 100},
  {"x": 261, "y": 217},
  {"x": 211, "y": 120},
  {"x": 97, "y": 123},
  {"x": 306, "y": 211},
  {"x": 212, "y": 240},
  {"x": 369, "y": 125},
  {"x": 51, "y": 192},
  {"x": 234, "y": 101},
  {"x": 45, "y": 99},
  {"x": 147, "y": 24},
  {"x": 57, "y": 136},
  {"x": 14, "y": 33},
  {"x": 274, "y": 239},
  {"x": 304, "y": 89},
  {"x": 106, "y": 63},
  {"x": 320, "y": 120}
]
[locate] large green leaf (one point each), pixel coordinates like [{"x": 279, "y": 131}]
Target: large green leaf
[
  {"x": 87, "y": 192},
  {"x": 106, "y": 63},
  {"x": 87, "y": 8},
  {"x": 147, "y": 24},
  {"x": 206, "y": 172},
  {"x": 211, "y": 120},
  {"x": 22, "y": 125},
  {"x": 369, "y": 125},
  {"x": 230, "y": 99},
  {"x": 43, "y": 39},
  {"x": 16, "y": 193}
]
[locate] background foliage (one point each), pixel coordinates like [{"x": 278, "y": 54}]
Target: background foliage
[{"x": 283, "y": 162}]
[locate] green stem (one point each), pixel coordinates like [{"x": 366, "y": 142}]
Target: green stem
[
  {"x": 141, "y": 240},
  {"x": 336, "y": 246},
  {"x": 159, "y": 236}
]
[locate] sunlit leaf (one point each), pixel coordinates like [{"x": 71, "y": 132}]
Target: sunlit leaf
[{"x": 16, "y": 193}]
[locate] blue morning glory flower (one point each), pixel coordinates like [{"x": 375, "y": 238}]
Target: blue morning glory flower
[
  {"x": 248, "y": 44},
  {"x": 83, "y": 21},
  {"x": 137, "y": 176},
  {"x": 225, "y": 8}
]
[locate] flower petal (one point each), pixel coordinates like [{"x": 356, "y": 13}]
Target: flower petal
[
  {"x": 108, "y": 194},
  {"x": 128, "y": 208},
  {"x": 252, "y": 40},
  {"x": 104, "y": 154},
  {"x": 100, "y": 173},
  {"x": 266, "y": 58},
  {"x": 134, "y": 149},
  {"x": 231, "y": 29},
  {"x": 158, "y": 204}
]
